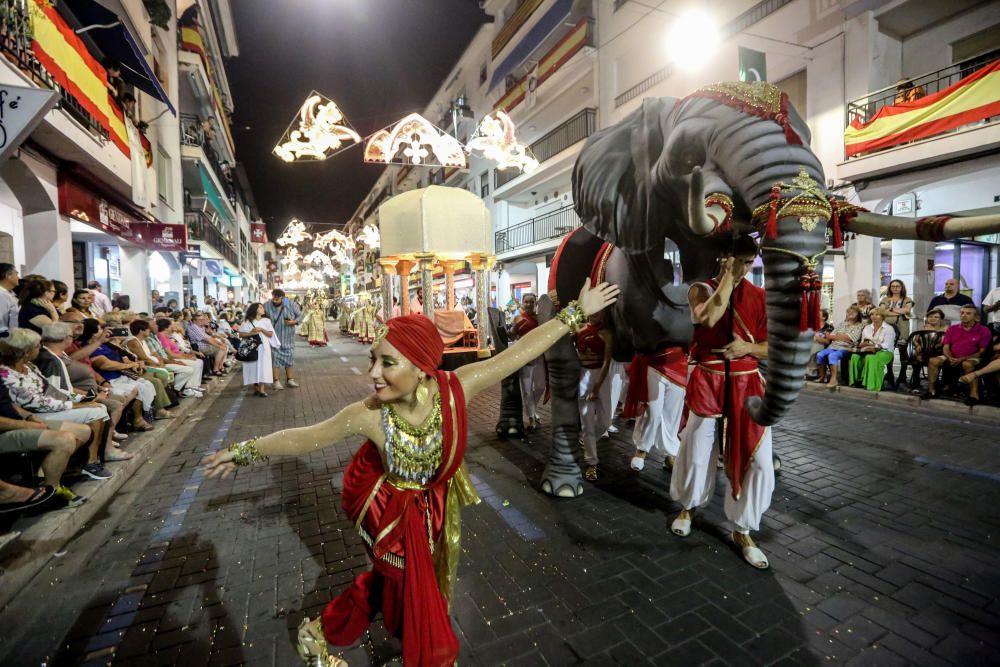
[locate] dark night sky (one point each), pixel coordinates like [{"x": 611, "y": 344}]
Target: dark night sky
[{"x": 377, "y": 59}]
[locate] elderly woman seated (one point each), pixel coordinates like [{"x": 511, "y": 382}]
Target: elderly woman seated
[
  {"x": 30, "y": 390},
  {"x": 839, "y": 345},
  {"x": 874, "y": 353},
  {"x": 75, "y": 377},
  {"x": 144, "y": 344}
]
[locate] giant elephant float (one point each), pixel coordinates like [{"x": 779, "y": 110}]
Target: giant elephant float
[{"x": 730, "y": 160}]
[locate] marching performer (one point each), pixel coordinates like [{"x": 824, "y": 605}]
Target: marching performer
[
  {"x": 730, "y": 337},
  {"x": 532, "y": 375},
  {"x": 404, "y": 487},
  {"x": 593, "y": 347},
  {"x": 655, "y": 399}
]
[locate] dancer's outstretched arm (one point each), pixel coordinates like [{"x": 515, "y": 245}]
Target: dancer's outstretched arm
[
  {"x": 361, "y": 418},
  {"x": 481, "y": 375}
]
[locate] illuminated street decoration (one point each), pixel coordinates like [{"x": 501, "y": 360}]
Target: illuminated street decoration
[
  {"x": 496, "y": 139},
  {"x": 292, "y": 257},
  {"x": 330, "y": 238},
  {"x": 317, "y": 258},
  {"x": 322, "y": 131},
  {"x": 294, "y": 234},
  {"x": 415, "y": 140},
  {"x": 340, "y": 256},
  {"x": 369, "y": 236}
]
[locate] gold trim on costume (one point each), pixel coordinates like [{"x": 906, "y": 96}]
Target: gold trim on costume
[
  {"x": 368, "y": 503},
  {"x": 385, "y": 531}
]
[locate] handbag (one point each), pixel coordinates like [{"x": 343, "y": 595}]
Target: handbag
[{"x": 247, "y": 350}]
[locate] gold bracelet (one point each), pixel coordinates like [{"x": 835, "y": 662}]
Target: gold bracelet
[
  {"x": 572, "y": 315},
  {"x": 245, "y": 453}
]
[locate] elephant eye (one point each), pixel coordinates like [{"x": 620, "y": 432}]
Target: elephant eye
[{"x": 690, "y": 157}]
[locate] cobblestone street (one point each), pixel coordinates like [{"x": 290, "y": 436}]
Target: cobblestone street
[{"x": 882, "y": 538}]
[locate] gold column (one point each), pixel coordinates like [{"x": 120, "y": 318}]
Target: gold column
[
  {"x": 403, "y": 268},
  {"x": 388, "y": 271},
  {"x": 450, "y": 267}
]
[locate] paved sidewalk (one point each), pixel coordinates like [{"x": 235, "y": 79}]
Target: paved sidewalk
[{"x": 881, "y": 536}]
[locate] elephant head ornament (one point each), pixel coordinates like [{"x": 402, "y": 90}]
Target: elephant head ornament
[{"x": 730, "y": 160}]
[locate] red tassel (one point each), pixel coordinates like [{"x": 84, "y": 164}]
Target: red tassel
[
  {"x": 771, "y": 231},
  {"x": 811, "y": 285},
  {"x": 804, "y": 307}
]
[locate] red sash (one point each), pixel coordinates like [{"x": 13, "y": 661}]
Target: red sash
[
  {"x": 402, "y": 583},
  {"x": 588, "y": 342},
  {"x": 670, "y": 362},
  {"x": 708, "y": 392}
]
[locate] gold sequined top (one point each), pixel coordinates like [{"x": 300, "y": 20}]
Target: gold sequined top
[{"x": 413, "y": 453}]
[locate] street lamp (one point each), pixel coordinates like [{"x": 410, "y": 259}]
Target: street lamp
[{"x": 692, "y": 40}]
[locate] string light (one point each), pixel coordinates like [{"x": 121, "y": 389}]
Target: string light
[
  {"x": 405, "y": 142},
  {"x": 322, "y": 131},
  {"x": 496, "y": 139}
]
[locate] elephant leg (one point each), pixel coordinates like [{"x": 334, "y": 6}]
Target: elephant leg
[
  {"x": 562, "y": 475},
  {"x": 510, "y": 424}
]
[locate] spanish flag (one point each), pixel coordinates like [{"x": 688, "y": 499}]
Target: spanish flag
[
  {"x": 974, "y": 98},
  {"x": 66, "y": 58}
]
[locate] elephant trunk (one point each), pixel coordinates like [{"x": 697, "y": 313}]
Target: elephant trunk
[
  {"x": 702, "y": 219},
  {"x": 788, "y": 346}
]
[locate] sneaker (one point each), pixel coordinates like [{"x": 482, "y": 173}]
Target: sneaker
[
  {"x": 612, "y": 429},
  {"x": 191, "y": 393},
  {"x": 72, "y": 500},
  {"x": 119, "y": 436},
  {"x": 293, "y": 384},
  {"x": 277, "y": 385},
  {"x": 95, "y": 471}
]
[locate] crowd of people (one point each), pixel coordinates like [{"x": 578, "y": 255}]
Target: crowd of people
[
  {"x": 80, "y": 372},
  {"x": 948, "y": 344}
]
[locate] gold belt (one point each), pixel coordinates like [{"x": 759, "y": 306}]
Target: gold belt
[{"x": 405, "y": 484}]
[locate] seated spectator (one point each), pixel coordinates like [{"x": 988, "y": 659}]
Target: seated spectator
[
  {"x": 14, "y": 498},
  {"x": 950, "y": 301},
  {"x": 29, "y": 390},
  {"x": 935, "y": 321},
  {"x": 60, "y": 295},
  {"x": 864, "y": 304},
  {"x": 75, "y": 377},
  {"x": 123, "y": 375},
  {"x": 874, "y": 353},
  {"x": 208, "y": 344},
  {"x": 932, "y": 332},
  {"x": 184, "y": 379},
  {"x": 123, "y": 304},
  {"x": 964, "y": 343},
  {"x": 172, "y": 305},
  {"x": 839, "y": 345},
  {"x": 972, "y": 379},
  {"x": 82, "y": 302},
  {"x": 22, "y": 431},
  {"x": 36, "y": 309},
  {"x": 907, "y": 92},
  {"x": 991, "y": 308},
  {"x": 819, "y": 342}
]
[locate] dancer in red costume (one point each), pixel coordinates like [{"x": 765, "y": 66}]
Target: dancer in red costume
[
  {"x": 730, "y": 336},
  {"x": 404, "y": 487}
]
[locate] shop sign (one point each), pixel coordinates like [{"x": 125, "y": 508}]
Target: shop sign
[
  {"x": 212, "y": 266},
  {"x": 21, "y": 110},
  {"x": 258, "y": 232},
  {"x": 161, "y": 236}
]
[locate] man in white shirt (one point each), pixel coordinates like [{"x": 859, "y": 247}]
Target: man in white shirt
[
  {"x": 8, "y": 302},
  {"x": 102, "y": 304},
  {"x": 991, "y": 306}
]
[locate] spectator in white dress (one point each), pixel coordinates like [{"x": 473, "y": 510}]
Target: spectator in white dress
[{"x": 259, "y": 372}]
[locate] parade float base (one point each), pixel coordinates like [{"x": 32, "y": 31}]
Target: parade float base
[{"x": 456, "y": 357}]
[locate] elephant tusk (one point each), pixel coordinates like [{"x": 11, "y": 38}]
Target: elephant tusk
[
  {"x": 933, "y": 228},
  {"x": 702, "y": 222}
]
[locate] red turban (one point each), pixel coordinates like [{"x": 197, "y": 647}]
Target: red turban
[{"x": 418, "y": 340}]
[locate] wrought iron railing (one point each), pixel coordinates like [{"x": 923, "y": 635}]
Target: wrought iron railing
[
  {"x": 16, "y": 44},
  {"x": 553, "y": 225},
  {"x": 192, "y": 134},
  {"x": 864, "y": 108},
  {"x": 561, "y": 137},
  {"x": 202, "y": 227}
]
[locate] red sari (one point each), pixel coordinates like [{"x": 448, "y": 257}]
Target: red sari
[
  {"x": 709, "y": 394},
  {"x": 400, "y": 526}
]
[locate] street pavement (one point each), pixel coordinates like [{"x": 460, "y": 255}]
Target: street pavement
[{"x": 882, "y": 538}]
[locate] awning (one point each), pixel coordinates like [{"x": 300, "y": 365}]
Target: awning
[
  {"x": 212, "y": 193},
  {"x": 546, "y": 24},
  {"x": 117, "y": 43}
]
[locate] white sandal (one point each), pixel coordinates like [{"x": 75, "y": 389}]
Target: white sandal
[
  {"x": 681, "y": 527},
  {"x": 638, "y": 463},
  {"x": 752, "y": 555}
]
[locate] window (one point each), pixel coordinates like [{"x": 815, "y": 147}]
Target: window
[
  {"x": 484, "y": 184},
  {"x": 164, "y": 177}
]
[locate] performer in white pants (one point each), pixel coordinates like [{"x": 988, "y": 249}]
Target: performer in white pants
[
  {"x": 593, "y": 346},
  {"x": 730, "y": 337},
  {"x": 618, "y": 379},
  {"x": 532, "y": 375},
  {"x": 656, "y": 400}
]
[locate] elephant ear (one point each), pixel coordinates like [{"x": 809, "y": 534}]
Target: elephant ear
[{"x": 613, "y": 178}]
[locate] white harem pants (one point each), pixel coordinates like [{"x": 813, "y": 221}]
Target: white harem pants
[
  {"x": 658, "y": 426},
  {"x": 595, "y": 416},
  {"x": 532, "y": 378},
  {"x": 693, "y": 480}
]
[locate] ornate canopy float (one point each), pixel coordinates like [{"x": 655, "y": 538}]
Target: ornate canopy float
[{"x": 436, "y": 226}]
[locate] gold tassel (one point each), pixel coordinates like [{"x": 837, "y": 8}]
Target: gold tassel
[{"x": 461, "y": 492}]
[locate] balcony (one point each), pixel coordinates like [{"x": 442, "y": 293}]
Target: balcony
[
  {"x": 205, "y": 228},
  {"x": 203, "y": 90},
  {"x": 566, "y": 134},
  {"x": 547, "y": 227},
  {"x": 513, "y": 24},
  {"x": 945, "y": 115}
]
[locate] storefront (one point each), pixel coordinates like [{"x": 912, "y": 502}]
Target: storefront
[{"x": 113, "y": 243}]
